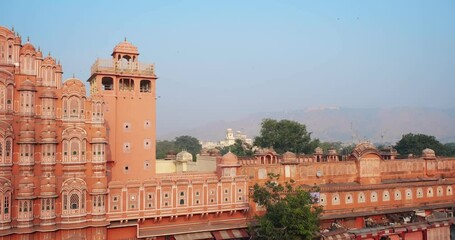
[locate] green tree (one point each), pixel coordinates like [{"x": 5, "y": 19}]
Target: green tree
[
  {"x": 239, "y": 148},
  {"x": 290, "y": 211},
  {"x": 188, "y": 143},
  {"x": 414, "y": 144},
  {"x": 163, "y": 148},
  {"x": 449, "y": 149},
  {"x": 285, "y": 135}
]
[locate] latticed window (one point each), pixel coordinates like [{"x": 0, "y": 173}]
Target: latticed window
[
  {"x": 48, "y": 204},
  {"x": 73, "y": 192},
  {"x": 74, "y": 201},
  {"x": 65, "y": 202},
  {"x": 6, "y": 204},
  {"x": 8, "y": 148}
]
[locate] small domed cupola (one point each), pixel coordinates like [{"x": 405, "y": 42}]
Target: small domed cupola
[
  {"x": 229, "y": 159},
  {"x": 125, "y": 47},
  {"x": 99, "y": 187},
  {"x": 289, "y": 157},
  {"x": 428, "y": 154},
  {"x": 184, "y": 156}
]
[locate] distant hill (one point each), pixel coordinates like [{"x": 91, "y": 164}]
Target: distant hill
[{"x": 342, "y": 124}]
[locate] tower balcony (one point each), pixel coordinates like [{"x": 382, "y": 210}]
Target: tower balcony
[{"x": 122, "y": 66}]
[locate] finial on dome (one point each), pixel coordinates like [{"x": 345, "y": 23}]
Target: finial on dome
[
  {"x": 39, "y": 49},
  {"x": 125, "y": 39},
  {"x": 49, "y": 54},
  {"x": 73, "y": 75},
  {"x": 12, "y": 28},
  {"x": 28, "y": 39}
]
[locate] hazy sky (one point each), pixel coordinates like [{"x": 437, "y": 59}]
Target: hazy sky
[{"x": 225, "y": 59}]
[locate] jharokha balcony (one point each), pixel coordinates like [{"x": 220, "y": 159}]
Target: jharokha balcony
[{"x": 122, "y": 66}]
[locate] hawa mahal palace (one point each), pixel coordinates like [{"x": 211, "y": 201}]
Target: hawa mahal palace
[{"x": 79, "y": 166}]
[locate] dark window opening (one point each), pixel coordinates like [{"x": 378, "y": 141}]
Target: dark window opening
[
  {"x": 145, "y": 86},
  {"x": 108, "y": 83}
]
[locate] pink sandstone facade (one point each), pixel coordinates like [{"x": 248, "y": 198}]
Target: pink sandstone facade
[{"x": 79, "y": 167}]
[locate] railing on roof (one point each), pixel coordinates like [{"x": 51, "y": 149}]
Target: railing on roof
[{"x": 108, "y": 65}]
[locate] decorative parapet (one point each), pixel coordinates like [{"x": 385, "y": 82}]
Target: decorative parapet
[{"x": 110, "y": 66}]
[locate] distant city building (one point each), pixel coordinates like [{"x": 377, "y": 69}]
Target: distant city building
[
  {"x": 79, "y": 167},
  {"x": 228, "y": 140}
]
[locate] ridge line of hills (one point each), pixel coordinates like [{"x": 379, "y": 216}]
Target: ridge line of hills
[{"x": 381, "y": 125}]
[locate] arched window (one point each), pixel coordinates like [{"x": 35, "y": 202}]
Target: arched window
[
  {"x": 429, "y": 192},
  {"x": 439, "y": 191},
  {"x": 5, "y": 200},
  {"x": 361, "y": 197},
  {"x": 397, "y": 194},
  {"x": 385, "y": 196},
  {"x": 97, "y": 112},
  {"x": 449, "y": 191},
  {"x": 65, "y": 107},
  {"x": 74, "y": 145},
  {"x": 73, "y": 192},
  {"x": 374, "y": 197},
  {"x": 408, "y": 194},
  {"x": 323, "y": 199},
  {"x": 419, "y": 193},
  {"x": 74, "y": 105},
  {"x": 349, "y": 198},
  {"x": 336, "y": 199}
]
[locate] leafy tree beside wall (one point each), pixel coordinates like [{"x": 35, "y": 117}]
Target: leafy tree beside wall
[
  {"x": 290, "y": 211},
  {"x": 188, "y": 143},
  {"x": 285, "y": 135},
  {"x": 414, "y": 144},
  {"x": 163, "y": 148}
]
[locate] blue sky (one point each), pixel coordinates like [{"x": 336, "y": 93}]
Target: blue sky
[{"x": 226, "y": 59}]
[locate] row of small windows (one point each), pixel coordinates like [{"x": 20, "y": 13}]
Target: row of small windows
[
  {"x": 126, "y": 84},
  {"x": 73, "y": 107},
  {"x": 74, "y": 205},
  {"x": 361, "y": 197},
  {"x": 149, "y": 200}
]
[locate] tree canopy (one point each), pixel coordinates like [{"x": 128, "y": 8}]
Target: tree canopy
[
  {"x": 239, "y": 148},
  {"x": 414, "y": 144},
  {"x": 290, "y": 211},
  {"x": 285, "y": 135},
  {"x": 449, "y": 149},
  {"x": 163, "y": 148},
  {"x": 188, "y": 143}
]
